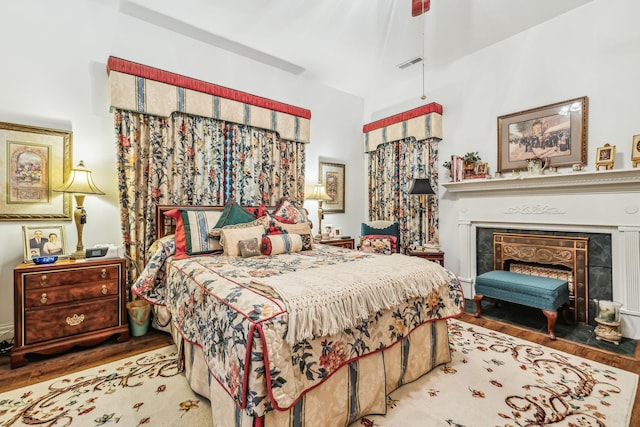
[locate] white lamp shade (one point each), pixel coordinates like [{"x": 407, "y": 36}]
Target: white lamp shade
[{"x": 80, "y": 182}]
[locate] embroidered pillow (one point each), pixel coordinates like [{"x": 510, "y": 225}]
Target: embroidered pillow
[
  {"x": 249, "y": 247},
  {"x": 376, "y": 245},
  {"x": 393, "y": 239},
  {"x": 264, "y": 221},
  {"x": 303, "y": 229},
  {"x": 197, "y": 224},
  {"x": 386, "y": 228},
  {"x": 230, "y": 238},
  {"x": 275, "y": 244},
  {"x": 288, "y": 213}
]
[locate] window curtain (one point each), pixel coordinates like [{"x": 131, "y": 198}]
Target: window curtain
[
  {"x": 192, "y": 160},
  {"x": 391, "y": 169}
]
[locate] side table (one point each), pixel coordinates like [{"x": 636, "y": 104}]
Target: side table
[
  {"x": 435, "y": 256},
  {"x": 342, "y": 243}
]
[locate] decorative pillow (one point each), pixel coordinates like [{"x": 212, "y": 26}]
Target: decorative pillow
[
  {"x": 303, "y": 229},
  {"x": 275, "y": 244},
  {"x": 197, "y": 224},
  {"x": 230, "y": 238},
  {"x": 249, "y": 247},
  {"x": 260, "y": 211},
  {"x": 263, "y": 221},
  {"x": 381, "y": 227},
  {"x": 376, "y": 245},
  {"x": 232, "y": 214},
  {"x": 393, "y": 239},
  {"x": 181, "y": 243},
  {"x": 288, "y": 213}
]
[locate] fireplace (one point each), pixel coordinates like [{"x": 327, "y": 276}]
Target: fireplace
[
  {"x": 603, "y": 207},
  {"x": 555, "y": 256}
]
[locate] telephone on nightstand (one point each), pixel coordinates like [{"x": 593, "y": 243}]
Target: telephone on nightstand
[{"x": 104, "y": 250}]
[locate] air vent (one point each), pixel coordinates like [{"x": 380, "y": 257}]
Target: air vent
[{"x": 410, "y": 62}]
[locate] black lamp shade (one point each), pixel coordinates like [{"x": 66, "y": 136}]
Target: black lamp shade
[{"x": 421, "y": 186}]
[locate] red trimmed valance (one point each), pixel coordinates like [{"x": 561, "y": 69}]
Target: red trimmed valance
[
  {"x": 139, "y": 70},
  {"x": 401, "y": 117}
]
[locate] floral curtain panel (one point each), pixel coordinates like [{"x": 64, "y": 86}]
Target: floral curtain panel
[
  {"x": 193, "y": 160},
  {"x": 391, "y": 168}
]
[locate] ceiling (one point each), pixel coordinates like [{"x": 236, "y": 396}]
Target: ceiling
[{"x": 350, "y": 45}]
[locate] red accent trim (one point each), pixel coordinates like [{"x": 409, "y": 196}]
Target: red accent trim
[
  {"x": 416, "y": 7},
  {"x": 139, "y": 70},
  {"x": 401, "y": 117}
]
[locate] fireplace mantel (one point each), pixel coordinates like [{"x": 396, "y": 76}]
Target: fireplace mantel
[{"x": 567, "y": 182}]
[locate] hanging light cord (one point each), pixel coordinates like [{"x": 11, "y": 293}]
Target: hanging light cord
[{"x": 424, "y": 21}]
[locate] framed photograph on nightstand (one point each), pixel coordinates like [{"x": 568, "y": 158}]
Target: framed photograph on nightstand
[
  {"x": 47, "y": 240},
  {"x": 635, "y": 151}
]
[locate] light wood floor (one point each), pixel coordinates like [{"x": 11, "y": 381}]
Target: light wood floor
[{"x": 44, "y": 368}]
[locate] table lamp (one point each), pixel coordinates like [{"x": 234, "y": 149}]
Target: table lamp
[
  {"x": 80, "y": 184},
  {"x": 421, "y": 187},
  {"x": 319, "y": 193}
]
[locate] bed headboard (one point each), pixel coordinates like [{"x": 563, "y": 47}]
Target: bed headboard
[{"x": 166, "y": 225}]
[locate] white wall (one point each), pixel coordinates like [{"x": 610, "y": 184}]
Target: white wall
[
  {"x": 53, "y": 74},
  {"x": 593, "y": 51}
]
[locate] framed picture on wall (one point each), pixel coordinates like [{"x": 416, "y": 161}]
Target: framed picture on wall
[
  {"x": 557, "y": 132},
  {"x": 34, "y": 161},
  {"x": 332, "y": 176}
]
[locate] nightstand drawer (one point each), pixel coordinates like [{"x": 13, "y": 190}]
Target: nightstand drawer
[
  {"x": 50, "y": 296},
  {"x": 44, "y": 324},
  {"x": 75, "y": 276}
]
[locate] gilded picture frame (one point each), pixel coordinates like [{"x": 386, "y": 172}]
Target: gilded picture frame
[
  {"x": 635, "y": 151},
  {"x": 557, "y": 132},
  {"x": 44, "y": 240},
  {"x": 332, "y": 176},
  {"x": 35, "y": 161},
  {"x": 605, "y": 156}
]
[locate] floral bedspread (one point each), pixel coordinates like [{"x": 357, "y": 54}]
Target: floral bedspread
[{"x": 241, "y": 328}]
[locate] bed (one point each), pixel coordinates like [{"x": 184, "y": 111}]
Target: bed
[{"x": 309, "y": 337}]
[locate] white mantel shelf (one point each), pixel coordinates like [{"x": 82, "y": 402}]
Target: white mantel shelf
[{"x": 611, "y": 181}]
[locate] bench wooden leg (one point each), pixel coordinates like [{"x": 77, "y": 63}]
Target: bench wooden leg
[
  {"x": 478, "y": 299},
  {"x": 551, "y": 321}
]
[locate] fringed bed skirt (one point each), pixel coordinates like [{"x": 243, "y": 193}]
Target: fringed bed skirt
[{"x": 356, "y": 389}]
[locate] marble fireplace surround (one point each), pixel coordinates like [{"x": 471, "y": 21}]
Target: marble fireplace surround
[{"x": 604, "y": 205}]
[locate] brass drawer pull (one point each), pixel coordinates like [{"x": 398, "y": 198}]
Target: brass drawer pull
[
  {"x": 103, "y": 273},
  {"x": 75, "y": 320},
  {"x": 104, "y": 290},
  {"x": 43, "y": 280},
  {"x": 43, "y": 298}
]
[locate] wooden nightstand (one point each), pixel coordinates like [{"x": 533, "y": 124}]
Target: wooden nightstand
[
  {"x": 343, "y": 243},
  {"x": 68, "y": 303},
  {"x": 431, "y": 256}
]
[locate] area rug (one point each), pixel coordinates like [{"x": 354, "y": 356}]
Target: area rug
[{"x": 492, "y": 380}]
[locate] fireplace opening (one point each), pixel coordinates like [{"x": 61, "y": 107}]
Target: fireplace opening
[{"x": 583, "y": 259}]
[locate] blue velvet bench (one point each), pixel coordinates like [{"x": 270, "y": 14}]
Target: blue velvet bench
[{"x": 544, "y": 293}]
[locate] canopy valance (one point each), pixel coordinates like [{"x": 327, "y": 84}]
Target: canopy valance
[
  {"x": 421, "y": 123},
  {"x": 144, "y": 89}
]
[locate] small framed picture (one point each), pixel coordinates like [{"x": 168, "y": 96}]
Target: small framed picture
[
  {"x": 605, "y": 156},
  {"x": 327, "y": 231},
  {"x": 337, "y": 232},
  {"x": 43, "y": 241},
  {"x": 481, "y": 168},
  {"x": 635, "y": 151}
]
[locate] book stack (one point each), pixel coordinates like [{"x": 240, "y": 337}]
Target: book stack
[{"x": 457, "y": 168}]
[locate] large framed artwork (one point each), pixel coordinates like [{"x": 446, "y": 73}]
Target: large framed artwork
[
  {"x": 332, "y": 176},
  {"x": 557, "y": 132},
  {"x": 34, "y": 162}
]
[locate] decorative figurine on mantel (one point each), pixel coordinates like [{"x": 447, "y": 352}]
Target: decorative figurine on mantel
[{"x": 608, "y": 320}]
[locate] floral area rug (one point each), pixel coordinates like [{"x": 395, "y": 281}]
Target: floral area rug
[
  {"x": 143, "y": 390},
  {"x": 492, "y": 380},
  {"x": 498, "y": 380}
]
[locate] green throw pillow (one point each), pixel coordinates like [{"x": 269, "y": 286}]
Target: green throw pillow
[{"x": 233, "y": 214}]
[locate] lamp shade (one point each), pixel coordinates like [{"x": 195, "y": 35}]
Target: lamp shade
[
  {"x": 421, "y": 186},
  {"x": 79, "y": 182},
  {"x": 319, "y": 193}
]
